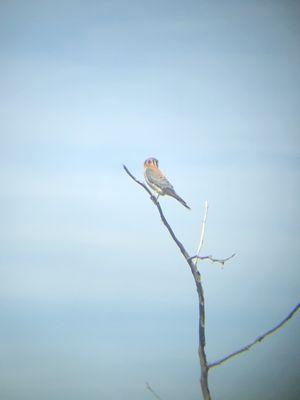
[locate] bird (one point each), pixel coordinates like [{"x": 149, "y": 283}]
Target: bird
[{"x": 158, "y": 182}]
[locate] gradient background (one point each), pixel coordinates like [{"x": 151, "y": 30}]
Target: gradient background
[{"x": 95, "y": 297}]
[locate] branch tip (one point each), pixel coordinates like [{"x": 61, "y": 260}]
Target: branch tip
[{"x": 259, "y": 339}]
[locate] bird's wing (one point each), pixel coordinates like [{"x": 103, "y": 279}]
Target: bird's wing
[{"x": 156, "y": 178}]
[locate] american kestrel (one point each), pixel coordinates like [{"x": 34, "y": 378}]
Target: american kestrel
[{"x": 157, "y": 181}]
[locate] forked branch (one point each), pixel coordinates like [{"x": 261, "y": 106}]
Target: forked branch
[{"x": 205, "y": 367}]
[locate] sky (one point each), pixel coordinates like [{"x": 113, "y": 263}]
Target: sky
[{"x": 95, "y": 298}]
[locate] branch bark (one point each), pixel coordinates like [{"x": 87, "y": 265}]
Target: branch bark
[{"x": 255, "y": 341}]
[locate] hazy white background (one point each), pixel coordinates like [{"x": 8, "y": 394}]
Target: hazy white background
[{"x": 95, "y": 297}]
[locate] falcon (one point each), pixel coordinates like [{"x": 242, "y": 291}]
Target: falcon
[{"x": 158, "y": 182}]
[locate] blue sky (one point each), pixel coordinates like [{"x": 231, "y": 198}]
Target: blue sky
[{"x": 96, "y": 299}]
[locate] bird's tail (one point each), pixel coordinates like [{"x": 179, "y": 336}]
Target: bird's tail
[{"x": 175, "y": 195}]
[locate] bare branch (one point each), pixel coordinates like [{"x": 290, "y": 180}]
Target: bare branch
[
  {"x": 152, "y": 391},
  {"x": 202, "y": 232},
  {"x": 205, "y": 367},
  {"x": 212, "y": 259},
  {"x": 179, "y": 244},
  {"x": 197, "y": 279},
  {"x": 257, "y": 340}
]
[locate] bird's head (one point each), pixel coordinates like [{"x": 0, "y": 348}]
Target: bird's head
[{"x": 151, "y": 162}]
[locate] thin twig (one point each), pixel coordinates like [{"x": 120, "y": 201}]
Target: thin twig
[
  {"x": 212, "y": 259},
  {"x": 202, "y": 232},
  {"x": 152, "y": 391},
  {"x": 257, "y": 340}
]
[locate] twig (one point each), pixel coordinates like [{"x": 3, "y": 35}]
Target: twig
[
  {"x": 197, "y": 279},
  {"x": 212, "y": 259},
  {"x": 152, "y": 391},
  {"x": 257, "y": 340},
  {"x": 202, "y": 232}
]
